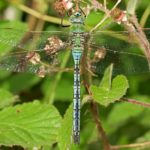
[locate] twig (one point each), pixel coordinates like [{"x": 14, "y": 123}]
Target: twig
[
  {"x": 141, "y": 36},
  {"x": 129, "y": 145},
  {"x": 116, "y": 5},
  {"x": 99, "y": 6},
  {"x": 105, "y": 10},
  {"x": 94, "y": 109},
  {"x": 135, "y": 102},
  {"x": 105, "y": 17},
  {"x": 41, "y": 16},
  {"x": 105, "y": 5}
]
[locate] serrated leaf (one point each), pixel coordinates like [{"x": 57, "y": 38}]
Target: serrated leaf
[
  {"x": 107, "y": 93},
  {"x": 6, "y": 98},
  {"x": 65, "y": 132},
  {"x": 29, "y": 125}
]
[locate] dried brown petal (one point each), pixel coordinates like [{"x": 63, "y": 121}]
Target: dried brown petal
[
  {"x": 32, "y": 57},
  {"x": 117, "y": 14},
  {"x": 54, "y": 45},
  {"x": 100, "y": 54},
  {"x": 41, "y": 71},
  {"x": 60, "y": 8}
]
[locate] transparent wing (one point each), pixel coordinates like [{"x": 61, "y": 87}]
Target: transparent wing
[
  {"x": 28, "y": 40},
  {"x": 34, "y": 62},
  {"x": 123, "y": 49},
  {"x": 120, "y": 40},
  {"x": 123, "y": 62},
  {"x": 37, "y": 52}
]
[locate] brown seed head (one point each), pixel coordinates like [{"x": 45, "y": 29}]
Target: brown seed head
[
  {"x": 60, "y": 8},
  {"x": 32, "y": 57},
  {"x": 41, "y": 71},
  {"x": 116, "y": 14},
  {"x": 54, "y": 45},
  {"x": 100, "y": 54}
]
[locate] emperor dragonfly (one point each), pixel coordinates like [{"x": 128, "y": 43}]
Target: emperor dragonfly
[{"x": 42, "y": 55}]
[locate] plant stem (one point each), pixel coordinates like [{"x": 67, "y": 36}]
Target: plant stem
[
  {"x": 94, "y": 109},
  {"x": 87, "y": 81},
  {"x": 129, "y": 146},
  {"x": 135, "y": 102},
  {"x": 50, "y": 95},
  {"x": 41, "y": 16}
]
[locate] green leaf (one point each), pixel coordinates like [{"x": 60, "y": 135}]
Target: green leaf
[
  {"x": 6, "y": 98},
  {"x": 6, "y": 37},
  {"x": 29, "y": 125},
  {"x": 106, "y": 95},
  {"x": 66, "y": 95},
  {"x": 65, "y": 132},
  {"x": 96, "y": 17},
  {"x": 121, "y": 113},
  {"x": 106, "y": 81},
  {"x": 142, "y": 139},
  {"x": 20, "y": 81},
  {"x": 4, "y": 74}
]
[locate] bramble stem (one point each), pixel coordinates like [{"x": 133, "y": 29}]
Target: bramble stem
[
  {"x": 94, "y": 109},
  {"x": 135, "y": 102}
]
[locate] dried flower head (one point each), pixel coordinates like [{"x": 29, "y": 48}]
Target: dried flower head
[
  {"x": 54, "y": 45},
  {"x": 99, "y": 54},
  {"x": 60, "y": 8},
  {"x": 32, "y": 57},
  {"x": 41, "y": 71},
  {"x": 118, "y": 15},
  {"x": 68, "y": 4}
]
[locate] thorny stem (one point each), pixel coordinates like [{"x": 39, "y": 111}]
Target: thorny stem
[
  {"x": 99, "y": 6},
  {"x": 94, "y": 109},
  {"x": 141, "y": 36},
  {"x": 135, "y": 102}
]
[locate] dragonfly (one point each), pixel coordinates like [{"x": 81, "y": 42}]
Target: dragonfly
[{"x": 41, "y": 53}]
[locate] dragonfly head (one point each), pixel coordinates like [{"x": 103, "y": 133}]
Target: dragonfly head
[{"x": 77, "y": 17}]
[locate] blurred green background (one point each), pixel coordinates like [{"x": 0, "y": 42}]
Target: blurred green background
[{"x": 124, "y": 123}]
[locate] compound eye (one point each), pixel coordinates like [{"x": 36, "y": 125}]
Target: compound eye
[{"x": 77, "y": 14}]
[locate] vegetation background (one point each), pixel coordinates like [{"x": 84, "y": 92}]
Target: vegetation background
[{"x": 36, "y": 113}]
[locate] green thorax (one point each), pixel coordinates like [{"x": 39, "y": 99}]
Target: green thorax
[{"x": 77, "y": 20}]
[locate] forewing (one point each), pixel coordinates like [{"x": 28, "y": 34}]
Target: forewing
[
  {"x": 29, "y": 40},
  {"x": 34, "y": 51}
]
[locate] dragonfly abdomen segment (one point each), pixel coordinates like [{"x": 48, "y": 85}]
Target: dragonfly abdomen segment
[
  {"x": 76, "y": 98},
  {"x": 77, "y": 49}
]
